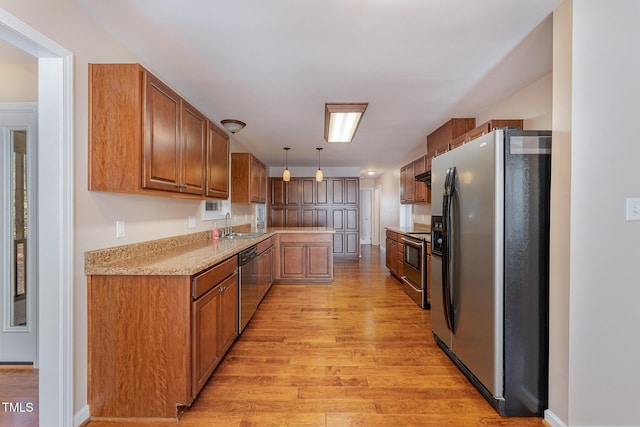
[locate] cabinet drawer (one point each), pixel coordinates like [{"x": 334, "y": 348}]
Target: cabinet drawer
[
  {"x": 306, "y": 238},
  {"x": 210, "y": 278},
  {"x": 265, "y": 244}
]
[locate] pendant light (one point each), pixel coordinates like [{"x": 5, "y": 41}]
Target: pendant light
[
  {"x": 286, "y": 175},
  {"x": 319, "y": 175}
]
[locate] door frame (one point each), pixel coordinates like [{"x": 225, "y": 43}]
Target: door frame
[{"x": 55, "y": 191}]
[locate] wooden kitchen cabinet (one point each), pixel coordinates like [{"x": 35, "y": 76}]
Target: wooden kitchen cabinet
[
  {"x": 439, "y": 139},
  {"x": 217, "y": 164},
  {"x": 407, "y": 186},
  {"x": 265, "y": 267},
  {"x": 400, "y": 265},
  {"x": 284, "y": 216},
  {"x": 391, "y": 251},
  {"x": 490, "y": 125},
  {"x": 333, "y": 202},
  {"x": 153, "y": 341},
  {"x": 284, "y": 192},
  {"x": 143, "y": 137},
  {"x": 304, "y": 256},
  {"x": 248, "y": 179}
]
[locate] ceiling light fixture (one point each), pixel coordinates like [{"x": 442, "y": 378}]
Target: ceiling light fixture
[
  {"x": 371, "y": 173},
  {"x": 233, "y": 126},
  {"x": 286, "y": 175},
  {"x": 341, "y": 120},
  {"x": 319, "y": 175}
]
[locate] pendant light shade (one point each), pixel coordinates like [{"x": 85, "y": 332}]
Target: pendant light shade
[
  {"x": 286, "y": 175},
  {"x": 319, "y": 174}
]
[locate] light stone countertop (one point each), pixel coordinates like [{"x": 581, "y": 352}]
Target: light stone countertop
[{"x": 176, "y": 256}]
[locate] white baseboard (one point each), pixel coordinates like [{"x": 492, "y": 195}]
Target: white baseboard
[
  {"x": 81, "y": 416},
  {"x": 552, "y": 419}
]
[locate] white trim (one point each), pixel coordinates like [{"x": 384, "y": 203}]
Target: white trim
[
  {"x": 81, "y": 416},
  {"x": 55, "y": 260},
  {"x": 552, "y": 419}
]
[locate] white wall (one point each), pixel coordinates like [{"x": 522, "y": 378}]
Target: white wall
[
  {"x": 604, "y": 343},
  {"x": 18, "y": 82},
  {"x": 594, "y": 285}
]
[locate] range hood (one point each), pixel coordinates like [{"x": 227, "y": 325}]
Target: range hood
[{"x": 424, "y": 177}]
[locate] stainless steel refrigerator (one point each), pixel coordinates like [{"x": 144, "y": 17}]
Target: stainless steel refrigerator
[{"x": 490, "y": 265}]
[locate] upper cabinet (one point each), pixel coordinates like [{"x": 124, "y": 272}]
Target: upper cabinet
[
  {"x": 217, "y": 163},
  {"x": 248, "y": 179},
  {"x": 144, "y": 138},
  {"x": 438, "y": 140}
]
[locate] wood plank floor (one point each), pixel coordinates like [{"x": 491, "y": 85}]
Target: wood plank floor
[
  {"x": 18, "y": 396},
  {"x": 358, "y": 352}
]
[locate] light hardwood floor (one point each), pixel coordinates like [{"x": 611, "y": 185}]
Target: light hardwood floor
[
  {"x": 18, "y": 396},
  {"x": 358, "y": 352}
]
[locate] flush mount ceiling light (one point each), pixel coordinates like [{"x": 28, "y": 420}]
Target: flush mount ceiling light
[
  {"x": 319, "y": 174},
  {"x": 233, "y": 126},
  {"x": 286, "y": 175},
  {"x": 341, "y": 120}
]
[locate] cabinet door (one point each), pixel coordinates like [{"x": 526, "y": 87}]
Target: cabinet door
[
  {"x": 308, "y": 196},
  {"x": 338, "y": 243},
  {"x": 217, "y": 164},
  {"x": 205, "y": 355},
  {"x": 337, "y": 219},
  {"x": 292, "y": 191},
  {"x": 409, "y": 187},
  {"x": 319, "y": 260},
  {"x": 420, "y": 166},
  {"x": 352, "y": 244},
  {"x": 161, "y": 136},
  {"x": 391, "y": 255},
  {"x": 257, "y": 176},
  {"x": 293, "y": 260},
  {"x": 337, "y": 191},
  {"x": 322, "y": 192},
  {"x": 309, "y": 217},
  {"x": 400, "y": 261},
  {"x": 193, "y": 152},
  {"x": 351, "y": 216},
  {"x": 278, "y": 194},
  {"x": 352, "y": 191},
  {"x": 322, "y": 217},
  {"x": 228, "y": 320},
  {"x": 283, "y": 217}
]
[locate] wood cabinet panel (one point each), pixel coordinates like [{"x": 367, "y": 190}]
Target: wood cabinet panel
[
  {"x": 193, "y": 155},
  {"x": 420, "y": 188},
  {"x": 284, "y": 217},
  {"x": 217, "y": 165},
  {"x": 248, "y": 179},
  {"x": 447, "y": 132},
  {"x": 337, "y": 191},
  {"x": 304, "y": 256},
  {"x": 308, "y": 191},
  {"x": 284, "y": 192},
  {"x": 151, "y": 345},
  {"x": 161, "y": 137},
  {"x": 206, "y": 312},
  {"x": 143, "y": 137}
]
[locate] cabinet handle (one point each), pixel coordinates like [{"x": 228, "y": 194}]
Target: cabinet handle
[{"x": 181, "y": 186}]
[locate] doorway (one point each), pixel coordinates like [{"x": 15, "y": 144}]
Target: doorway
[
  {"x": 54, "y": 259},
  {"x": 18, "y": 242},
  {"x": 365, "y": 216}
]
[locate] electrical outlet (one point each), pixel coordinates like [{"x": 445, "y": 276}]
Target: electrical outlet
[
  {"x": 120, "y": 231},
  {"x": 633, "y": 209},
  {"x": 192, "y": 222}
]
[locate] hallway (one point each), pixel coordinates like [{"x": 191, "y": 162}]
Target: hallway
[{"x": 358, "y": 352}]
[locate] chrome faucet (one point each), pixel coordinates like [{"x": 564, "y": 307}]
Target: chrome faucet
[{"x": 227, "y": 228}]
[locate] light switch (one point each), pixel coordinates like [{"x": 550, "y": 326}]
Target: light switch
[
  {"x": 192, "y": 222},
  {"x": 633, "y": 209},
  {"x": 120, "y": 232}
]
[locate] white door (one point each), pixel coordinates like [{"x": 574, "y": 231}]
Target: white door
[
  {"x": 18, "y": 241},
  {"x": 365, "y": 216}
]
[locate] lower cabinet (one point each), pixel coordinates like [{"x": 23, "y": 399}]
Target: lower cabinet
[
  {"x": 153, "y": 341},
  {"x": 305, "y": 257},
  {"x": 215, "y": 328},
  {"x": 391, "y": 252},
  {"x": 265, "y": 267}
]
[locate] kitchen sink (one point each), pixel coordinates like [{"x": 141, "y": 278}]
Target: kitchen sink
[{"x": 235, "y": 235}]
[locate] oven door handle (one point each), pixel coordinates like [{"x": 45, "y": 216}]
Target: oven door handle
[
  {"x": 412, "y": 243},
  {"x": 405, "y": 280}
]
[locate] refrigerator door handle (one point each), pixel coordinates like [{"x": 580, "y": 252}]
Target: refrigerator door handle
[{"x": 447, "y": 286}]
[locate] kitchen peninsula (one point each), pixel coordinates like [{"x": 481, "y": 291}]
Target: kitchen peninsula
[{"x": 163, "y": 313}]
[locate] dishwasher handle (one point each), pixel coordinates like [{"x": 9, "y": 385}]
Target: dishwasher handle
[{"x": 248, "y": 255}]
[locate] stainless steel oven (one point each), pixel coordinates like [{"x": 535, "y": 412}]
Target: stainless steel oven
[{"x": 415, "y": 267}]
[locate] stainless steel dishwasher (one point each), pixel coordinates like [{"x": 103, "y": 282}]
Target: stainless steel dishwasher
[{"x": 247, "y": 260}]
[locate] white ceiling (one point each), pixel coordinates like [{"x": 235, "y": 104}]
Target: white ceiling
[{"x": 273, "y": 64}]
